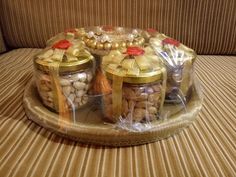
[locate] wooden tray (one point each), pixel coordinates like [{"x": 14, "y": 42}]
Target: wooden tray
[{"x": 89, "y": 127}]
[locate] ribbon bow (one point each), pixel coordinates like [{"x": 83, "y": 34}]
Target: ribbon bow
[{"x": 62, "y": 44}]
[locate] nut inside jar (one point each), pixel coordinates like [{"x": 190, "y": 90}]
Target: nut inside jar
[
  {"x": 74, "y": 88},
  {"x": 63, "y": 75},
  {"x": 140, "y": 102}
]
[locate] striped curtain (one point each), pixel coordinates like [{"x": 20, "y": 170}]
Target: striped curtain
[{"x": 208, "y": 26}]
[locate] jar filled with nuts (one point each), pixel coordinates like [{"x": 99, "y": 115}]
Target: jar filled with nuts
[
  {"x": 138, "y": 82},
  {"x": 63, "y": 75},
  {"x": 179, "y": 61}
]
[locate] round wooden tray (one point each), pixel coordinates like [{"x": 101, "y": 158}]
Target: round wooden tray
[{"x": 89, "y": 126}]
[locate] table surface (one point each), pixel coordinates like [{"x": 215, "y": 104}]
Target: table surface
[{"x": 206, "y": 148}]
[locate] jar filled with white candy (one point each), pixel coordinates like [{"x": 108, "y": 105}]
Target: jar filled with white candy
[
  {"x": 63, "y": 75},
  {"x": 138, "y": 82}
]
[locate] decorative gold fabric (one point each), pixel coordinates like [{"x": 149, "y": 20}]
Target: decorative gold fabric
[
  {"x": 206, "y": 148},
  {"x": 2, "y": 44},
  {"x": 207, "y": 26}
]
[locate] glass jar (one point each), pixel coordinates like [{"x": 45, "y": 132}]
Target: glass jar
[
  {"x": 179, "y": 83},
  {"x": 140, "y": 102},
  {"x": 73, "y": 86},
  {"x": 138, "y": 81},
  {"x": 63, "y": 75},
  {"x": 179, "y": 60}
]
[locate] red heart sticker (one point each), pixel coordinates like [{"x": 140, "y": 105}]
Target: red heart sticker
[
  {"x": 171, "y": 41},
  {"x": 135, "y": 51},
  {"x": 63, "y": 44}
]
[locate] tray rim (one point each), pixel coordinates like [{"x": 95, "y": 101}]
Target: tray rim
[{"x": 103, "y": 135}]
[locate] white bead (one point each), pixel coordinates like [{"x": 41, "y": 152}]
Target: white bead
[
  {"x": 90, "y": 34},
  {"x": 130, "y": 37}
]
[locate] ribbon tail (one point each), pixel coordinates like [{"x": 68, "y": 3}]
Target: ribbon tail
[
  {"x": 186, "y": 80},
  {"x": 59, "y": 99},
  {"x": 163, "y": 90},
  {"x": 117, "y": 96}
]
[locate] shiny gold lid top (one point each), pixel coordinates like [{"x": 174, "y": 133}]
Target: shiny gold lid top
[
  {"x": 135, "y": 64},
  {"x": 109, "y": 37},
  {"x": 69, "y": 56}
]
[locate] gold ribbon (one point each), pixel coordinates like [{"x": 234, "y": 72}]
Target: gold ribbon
[
  {"x": 131, "y": 67},
  {"x": 121, "y": 64},
  {"x": 117, "y": 96},
  {"x": 58, "y": 98},
  {"x": 163, "y": 91}
]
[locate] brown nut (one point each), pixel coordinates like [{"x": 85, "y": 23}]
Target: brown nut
[
  {"x": 152, "y": 110},
  {"x": 138, "y": 114},
  {"x": 66, "y": 90},
  {"x": 50, "y": 94},
  {"x": 129, "y": 93},
  {"x": 154, "y": 97},
  {"x": 156, "y": 88},
  {"x": 43, "y": 87},
  {"x": 142, "y": 97},
  {"x": 138, "y": 90},
  {"x": 143, "y": 104},
  {"x": 125, "y": 108},
  {"x": 131, "y": 104}
]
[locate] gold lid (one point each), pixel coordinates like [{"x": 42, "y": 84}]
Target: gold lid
[
  {"x": 135, "y": 65},
  {"x": 112, "y": 38},
  {"x": 68, "y": 56},
  {"x": 143, "y": 78}
]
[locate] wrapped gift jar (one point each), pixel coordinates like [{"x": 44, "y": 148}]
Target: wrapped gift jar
[
  {"x": 179, "y": 61},
  {"x": 63, "y": 75},
  {"x": 138, "y": 81},
  {"x": 100, "y": 40}
]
